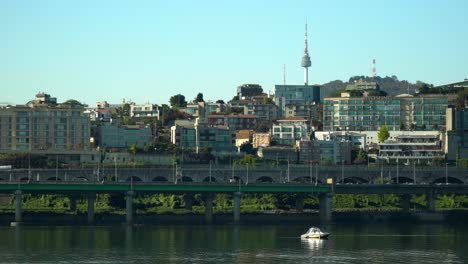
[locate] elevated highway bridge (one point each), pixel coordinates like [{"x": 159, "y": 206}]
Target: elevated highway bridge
[{"x": 236, "y": 181}]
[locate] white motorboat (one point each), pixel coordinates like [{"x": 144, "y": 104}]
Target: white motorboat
[{"x": 315, "y": 232}]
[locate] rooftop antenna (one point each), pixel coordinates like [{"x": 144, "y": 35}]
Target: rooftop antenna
[
  {"x": 284, "y": 74},
  {"x": 374, "y": 69},
  {"x": 305, "y": 62}
]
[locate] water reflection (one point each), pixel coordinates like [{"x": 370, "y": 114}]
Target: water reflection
[
  {"x": 381, "y": 243},
  {"x": 313, "y": 244}
]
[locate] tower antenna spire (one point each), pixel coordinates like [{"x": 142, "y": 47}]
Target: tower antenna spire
[
  {"x": 374, "y": 69},
  {"x": 305, "y": 62}
]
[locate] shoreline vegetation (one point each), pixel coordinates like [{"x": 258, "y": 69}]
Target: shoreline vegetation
[
  {"x": 259, "y": 218},
  {"x": 175, "y": 204}
]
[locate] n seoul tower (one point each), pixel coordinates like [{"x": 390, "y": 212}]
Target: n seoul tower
[{"x": 305, "y": 62}]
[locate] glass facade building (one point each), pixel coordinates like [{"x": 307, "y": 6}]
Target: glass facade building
[{"x": 397, "y": 113}]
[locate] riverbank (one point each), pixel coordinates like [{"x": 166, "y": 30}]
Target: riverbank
[{"x": 47, "y": 218}]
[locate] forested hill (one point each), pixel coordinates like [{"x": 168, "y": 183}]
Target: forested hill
[{"x": 389, "y": 84}]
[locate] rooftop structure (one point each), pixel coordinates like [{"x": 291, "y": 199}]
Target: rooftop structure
[
  {"x": 144, "y": 110},
  {"x": 115, "y": 135},
  {"x": 199, "y": 136},
  {"x": 288, "y": 131},
  {"x": 420, "y": 148}
]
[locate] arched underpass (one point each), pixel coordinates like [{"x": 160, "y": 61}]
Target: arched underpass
[
  {"x": 402, "y": 180},
  {"x": 209, "y": 179},
  {"x": 354, "y": 180},
  {"x": 304, "y": 179},
  {"x": 264, "y": 179},
  {"x": 185, "y": 179},
  {"x": 450, "y": 180},
  {"x": 52, "y": 179},
  {"x": 236, "y": 179},
  {"x": 79, "y": 179},
  {"x": 159, "y": 179},
  {"x": 133, "y": 179}
]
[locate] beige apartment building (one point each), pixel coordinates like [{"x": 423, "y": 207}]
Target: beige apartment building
[{"x": 44, "y": 125}]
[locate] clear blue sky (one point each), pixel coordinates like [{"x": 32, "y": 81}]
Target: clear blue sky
[{"x": 147, "y": 51}]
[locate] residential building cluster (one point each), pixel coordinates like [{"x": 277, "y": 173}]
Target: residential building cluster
[
  {"x": 296, "y": 124},
  {"x": 420, "y": 127}
]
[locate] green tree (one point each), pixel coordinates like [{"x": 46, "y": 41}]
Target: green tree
[
  {"x": 128, "y": 121},
  {"x": 267, "y": 100},
  {"x": 247, "y": 159},
  {"x": 124, "y": 111},
  {"x": 462, "y": 163},
  {"x": 178, "y": 100},
  {"x": 337, "y": 93},
  {"x": 361, "y": 157},
  {"x": 199, "y": 98},
  {"x": 133, "y": 149},
  {"x": 437, "y": 161},
  {"x": 383, "y": 134},
  {"x": 264, "y": 126},
  {"x": 462, "y": 96},
  {"x": 423, "y": 87},
  {"x": 235, "y": 110},
  {"x": 72, "y": 103},
  {"x": 247, "y": 148}
]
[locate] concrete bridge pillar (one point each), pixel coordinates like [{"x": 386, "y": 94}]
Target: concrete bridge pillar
[
  {"x": 188, "y": 201},
  {"x": 209, "y": 208},
  {"x": 72, "y": 199},
  {"x": 405, "y": 202},
  {"x": 129, "y": 207},
  {"x": 300, "y": 202},
  {"x": 431, "y": 199},
  {"x": 91, "y": 199},
  {"x": 18, "y": 210},
  {"x": 325, "y": 207},
  {"x": 236, "y": 208}
]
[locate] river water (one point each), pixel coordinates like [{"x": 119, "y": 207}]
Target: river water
[{"x": 349, "y": 243}]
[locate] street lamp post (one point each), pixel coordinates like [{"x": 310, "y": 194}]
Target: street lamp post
[
  {"x": 446, "y": 173},
  {"x": 56, "y": 167},
  {"x": 247, "y": 180},
  {"x": 381, "y": 173},
  {"x": 232, "y": 170},
  {"x": 98, "y": 165},
  {"x": 115, "y": 169},
  {"x": 342, "y": 170},
  {"x": 174, "y": 172},
  {"x": 29, "y": 166},
  {"x": 316, "y": 174},
  {"x": 288, "y": 172},
  {"x": 414, "y": 172},
  {"x": 310, "y": 171},
  {"x": 397, "y": 172},
  {"x": 210, "y": 170}
]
